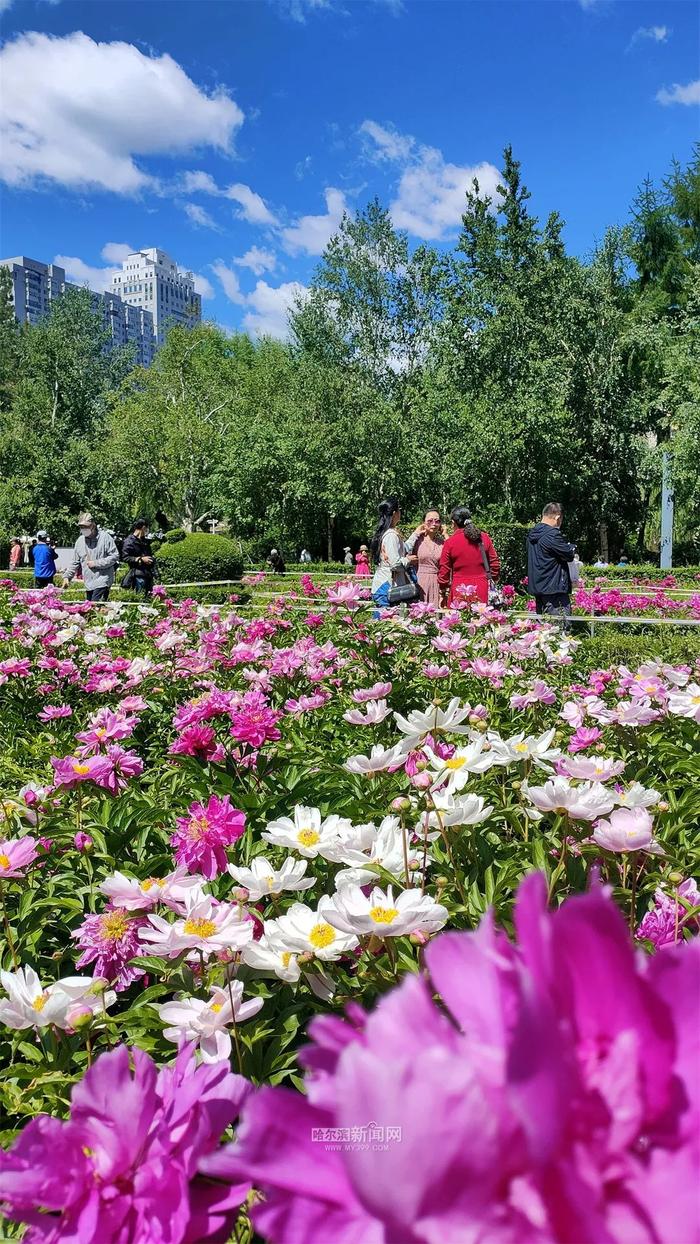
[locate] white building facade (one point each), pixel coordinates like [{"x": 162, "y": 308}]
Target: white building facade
[
  {"x": 152, "y": 280},
  {"x": 36, "y": 285}
]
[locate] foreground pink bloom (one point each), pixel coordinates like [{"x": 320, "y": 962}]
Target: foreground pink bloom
[
  {"x": 551, "y": 1098},
  {"x": 126, "y": 1165},
  {"x": 70, "y": 771},
  {"x": 201, "y": 838},
  {"x": 16, "y": 854}
]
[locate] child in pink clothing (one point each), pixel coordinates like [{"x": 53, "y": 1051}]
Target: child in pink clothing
[{"x": 362, "y": 561}]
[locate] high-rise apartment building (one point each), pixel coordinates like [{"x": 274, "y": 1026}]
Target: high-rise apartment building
[
  {"x": 151, "y": 279},
  {"x": 36, "y": 285}
]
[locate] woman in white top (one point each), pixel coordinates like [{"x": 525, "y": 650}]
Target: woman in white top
[{"x": 389, "y": 553}]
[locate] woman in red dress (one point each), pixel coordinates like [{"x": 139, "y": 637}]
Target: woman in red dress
[{"x": 462, "y": 560}]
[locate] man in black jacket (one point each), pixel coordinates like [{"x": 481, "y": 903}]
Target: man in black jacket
[
  {"x": 138, "y": 555},
  {"x": 548, "y": 557}
]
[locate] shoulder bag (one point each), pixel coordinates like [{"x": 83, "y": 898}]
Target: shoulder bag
[
  {"x": 406, "y": 593},
  {"x": 495, "y": 596}
]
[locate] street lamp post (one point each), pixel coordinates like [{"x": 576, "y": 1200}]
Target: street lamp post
[{"x": 666, "y": 551}]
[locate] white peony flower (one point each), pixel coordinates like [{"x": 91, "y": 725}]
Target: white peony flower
[
  {"x": 380, "y": 758},
  {"x": 136, "y": 895},
  {"x": 434, "y": 720},
  {"x": 686, "y": 703},
  {"x": 465, "y": 810},
  {"x": 262, "y": 879},
  {"x": 519, "y": 747},
  {"x": 208, "y": 926},
  {"x": 383, "y": 915},
  {"x": 454, "y": 773},
  {"x": 590, "y": 768},
  {"x": 268, "y": 955},
  {"x": 307, "y": 833},
  {"x": 637, "y": 796},
  {"x": 206, "y": 1021},
  {"x": 305, "y": 931},
  {"x": 31, "y": 1005}
]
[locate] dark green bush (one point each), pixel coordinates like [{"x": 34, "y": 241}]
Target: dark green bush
[
  {"x": 199, "y": 557},
  {"x": 510, "y": 542},
  {"x": 685, "y": 576},
  {"x": 175, "y": 536},
  {"x": 23, "y": 578}
]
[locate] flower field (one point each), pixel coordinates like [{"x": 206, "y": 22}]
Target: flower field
[{"x": 324, "y": 929}]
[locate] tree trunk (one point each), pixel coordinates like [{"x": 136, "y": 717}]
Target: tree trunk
[
  {"x": 329, "y": 533},
  {"x": 603, "y": 539}
]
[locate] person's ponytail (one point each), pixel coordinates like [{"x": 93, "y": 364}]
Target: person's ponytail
[
  {"x": 387, "y": 509},
  {"x": 461, "y": 517}
]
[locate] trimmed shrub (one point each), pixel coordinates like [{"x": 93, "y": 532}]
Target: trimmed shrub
[
  {"x": 684, "y": 576},
  {"x": 199, "y": 557},
  {"x": 175, "y": 536}
]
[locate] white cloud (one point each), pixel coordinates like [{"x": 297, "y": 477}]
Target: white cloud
[
  {"x": 229, "y": 281},
  {"x": 116, "y": 252},
  {"x": 258, "y": 260},
  {"x": 196, "y": 180},
  {"x": 79, "y": 112},
  {"x": 80, "y": 273},
  {"x": 202, "y": 286},
  {"x": 677, "y": 94},
  {"x": 388, "y": 143},
  {"x": 253, "y": 208},
  {"x": 311, "y": 234},
  {"x": 431, "y": 194},
  {"x": 199, "y": 216},
  {"x": 271, "y": 305},
  {"x": 657, "y": 34}
]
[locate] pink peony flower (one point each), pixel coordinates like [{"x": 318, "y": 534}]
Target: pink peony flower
[
  {"x": 201, "y": 838},
  {"x": 83, "y": 842},
  {"x": 664, "y": 924},
  {"x": 122, "y": 766},
  {"x": 551, "y": 1097},
  {"x": 53, "y": 712},
  {"x": 254, "y": 722},
  {"x": 109, "y": 941},
  {"x": 70, "y": 771},
  {"x": 127, "y": 1163},
  {"x": 199, "y": 741},
  {"x": 16, "y": 854},
  {"x": 627, "y": 829}
]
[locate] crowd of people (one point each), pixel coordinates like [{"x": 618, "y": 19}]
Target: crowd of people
[{"x": 433, "y": 565}]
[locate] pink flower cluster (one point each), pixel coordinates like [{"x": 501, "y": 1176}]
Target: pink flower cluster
[
  {"x": 552, "y": 1097},
  {"x": 201, "y": 839}
]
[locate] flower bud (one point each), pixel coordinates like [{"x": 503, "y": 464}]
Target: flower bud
[
  {"x": 419, "y": 938},
  {"x": 675, "y": 878},
  {"x": 402, "y": 804},
  {"x": 240, "y": 895},
  {"x": 83, "y": 842},
  {"x": 421, "y": 780},
  {"x": 662, "y": 806}
]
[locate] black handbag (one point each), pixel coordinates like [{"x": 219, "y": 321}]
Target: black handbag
[{"x": 495, "y": 596}]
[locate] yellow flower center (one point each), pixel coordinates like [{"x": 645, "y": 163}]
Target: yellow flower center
[
  {"x": 383, "y": 915},
  {"x": 521, "y": 747},
  {"x": 39, "y": 1003},
  {"x": 81, "y": 769},
  {"x": 100, "y": 732},
  {"x": 695, "y": 699},
  {"x": 308, "y": 837},
  {"x": 286, "y": 956},
  {"x": 4, "y": 861},
  {"x": 322, "y": 935},
  {"x": 149, "y": 883},
  {"x": 114, "y": 925},
  {"x": 197, "y": 828},
  {"x": 455, "y": 762},
  {"x": 201, "y": 928},
  {"x": 216, "y": 1007}
]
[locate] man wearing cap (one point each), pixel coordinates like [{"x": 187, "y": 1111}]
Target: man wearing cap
[
  {"x": 44, "y": 560},
  {"x": 97, "y": 554}
]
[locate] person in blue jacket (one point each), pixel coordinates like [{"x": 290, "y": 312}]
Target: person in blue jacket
[
  {"x": 44, "y": 559},
  {"x": 548, "y": 557}
]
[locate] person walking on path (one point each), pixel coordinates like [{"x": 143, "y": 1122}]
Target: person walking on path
[
  {"x": 389, "y": 554},
  {"x": 548, "y": 557},
  {"x": 96, "y": 554},
  {"x": 468, "y": 559},
  {"x": 15, "y": 554},
  {"x": 426, "y": 543},
  {"x": 362, "y": 562},
  {"x": 44, "y": 560},
  {"x": 138, "y": 555},
  {"x": 347, "y": 560}
]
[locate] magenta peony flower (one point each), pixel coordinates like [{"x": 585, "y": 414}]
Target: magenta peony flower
[
  {"x": 196, "y": 740},
  {"x": 53, "y": 711},
  {"x": 16, "y": 854},
  {"x": 664, "y": 924},
  {"x": 126, "y": 1165},
  {"x": 122, "y": 766},
  {"x": 70, "y": 771},
  {"x": 254, "y": 721},
  {"x": 109, "y": 941},
  {"x": 551, "y": 1097},
  {"x": 583, "y": 738},
  {"x": 201, "y": 838}
]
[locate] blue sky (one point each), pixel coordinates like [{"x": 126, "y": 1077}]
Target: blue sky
[{"x": 234, "y": 134}]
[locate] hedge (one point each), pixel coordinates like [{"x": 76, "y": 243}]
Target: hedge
[
  {"x": 684, "y": 575},
  {"x": 199, "y": 557},
  {"x": 615, "y": 645}
]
